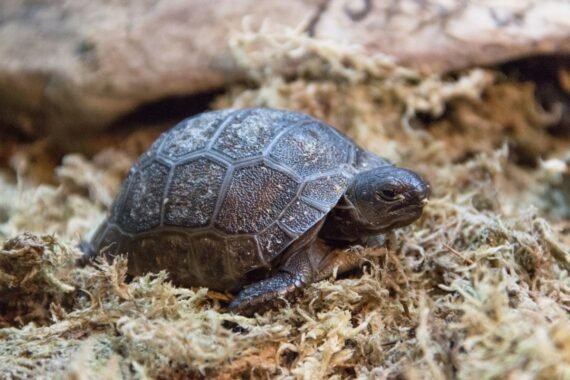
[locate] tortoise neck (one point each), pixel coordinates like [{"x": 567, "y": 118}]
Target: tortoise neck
[{"x": 345, "y": 223}]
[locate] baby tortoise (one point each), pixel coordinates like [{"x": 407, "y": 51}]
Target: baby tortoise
[{"x": 251, "y": 201}]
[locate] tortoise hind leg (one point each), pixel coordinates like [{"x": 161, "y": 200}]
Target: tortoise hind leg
[{"x": 297, "y": 272}]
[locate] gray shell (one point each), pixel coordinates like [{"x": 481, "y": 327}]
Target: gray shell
[{"x": 224, "y": 193}]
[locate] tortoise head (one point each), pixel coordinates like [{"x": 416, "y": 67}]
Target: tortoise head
[{"x": 388, "y": 197}]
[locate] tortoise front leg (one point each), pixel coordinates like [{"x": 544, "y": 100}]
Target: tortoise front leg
[
  {"x": 302, "y": 268},
  {"x": 295, "y": 274},
  {"x": 341, "y": 261}
]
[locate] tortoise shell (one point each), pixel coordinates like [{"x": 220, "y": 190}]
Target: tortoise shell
[{"x": 224, "y": 193}]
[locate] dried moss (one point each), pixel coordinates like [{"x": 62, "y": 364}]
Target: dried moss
[{"x": 479, "y": 288}]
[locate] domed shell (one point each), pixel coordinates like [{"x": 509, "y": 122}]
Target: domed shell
[{"x": 226, "y": 192}]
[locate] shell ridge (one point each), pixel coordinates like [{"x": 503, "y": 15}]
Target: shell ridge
[
  {"x": 165, "y": 194},
  {"x": 351, "y": 154},
  {"x": 161, "y": 160},
  {"x": 333, "y": 172},
  {"x": 228, "y": 120},
  {"x": 273, "y": 164},
  {"x": 319, "y": 206},
  {"x": 121, "y": 200},
  {"x": 283, "y": 131},
  {"x": 292, "y": 234},
  {"x": 224, "y": 187},
  {"x": 265, "y": 263},
  {"x": 297, "y": 196},
  {"x": 294, "y": 203}
]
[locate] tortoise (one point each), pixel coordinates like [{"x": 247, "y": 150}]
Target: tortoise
[{"x": 253, "y": 201}]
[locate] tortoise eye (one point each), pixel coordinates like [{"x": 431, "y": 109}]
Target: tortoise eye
[{"x": 388, "y": 195}]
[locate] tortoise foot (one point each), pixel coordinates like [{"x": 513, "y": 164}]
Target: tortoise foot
[{"x": 263, "y": 295}]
